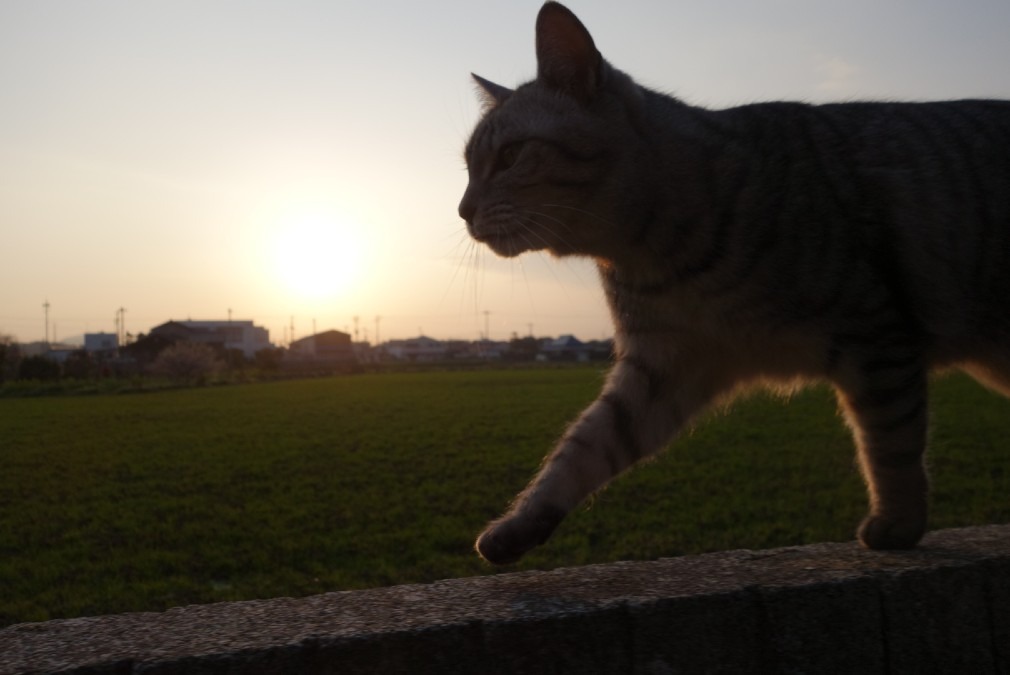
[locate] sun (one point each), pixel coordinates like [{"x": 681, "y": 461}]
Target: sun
[{"x": 317, "y": 256}]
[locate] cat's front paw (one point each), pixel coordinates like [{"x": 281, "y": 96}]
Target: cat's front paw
[
  {"x": 506, "y": 540},
  {"x": 889, "y": 533}
]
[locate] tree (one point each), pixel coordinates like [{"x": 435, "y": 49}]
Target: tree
[
  {"x": 10, "y": 355},
  {"x": 146, "y": 348},
  {"x": 268, "y": 360},
  {"x": 234, "y": 359},
  {"x": 79, "y": 365},
  {"x": 187, "y": 362},
  {"x": 38, "y": 368},
  {"x": 522, "y": 349}
]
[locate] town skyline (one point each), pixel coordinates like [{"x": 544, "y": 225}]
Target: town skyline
[{"x": 363, "y": 331}]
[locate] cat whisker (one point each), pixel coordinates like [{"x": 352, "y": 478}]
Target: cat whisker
[
  {"x": 470, "y": 264},
  {"x": 550, "y": 268},
  {"x": 529, "y": 288},
  {"x": 466, "y": 244},
  {"x": 529, "y": 226},
  {"x": 477, "y": 270},
  {"x": 584, "y": 212},
  {"x": 576, "y": 209},
  {"x": 531, "y": 217}
]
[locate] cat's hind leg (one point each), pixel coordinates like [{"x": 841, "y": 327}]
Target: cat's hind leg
[
  {"x": 885, "y": 401},
  {"x": 634, "y": 417}
]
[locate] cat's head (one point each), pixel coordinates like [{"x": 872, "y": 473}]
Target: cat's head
[{"x": 547, "y": 163}]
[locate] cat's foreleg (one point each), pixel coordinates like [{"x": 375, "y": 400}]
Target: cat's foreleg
[
  {"x": 635, "y": 416},
  {"x": 887, "y": 409}
]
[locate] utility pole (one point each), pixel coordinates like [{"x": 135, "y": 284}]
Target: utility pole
[
  {"x": 356, "y": 329},
  {"x": 45, "y": 306},
  {"x": 292, "y": 330},
  {"x": 121, "y": 326},
  {"x": 487, "y": 332},
  {"x": 377, "y": 330},
  {"x": 530, "y": 326}
]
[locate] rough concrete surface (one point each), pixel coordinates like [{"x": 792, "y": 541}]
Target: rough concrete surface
[{"x": 941, "y": 608}]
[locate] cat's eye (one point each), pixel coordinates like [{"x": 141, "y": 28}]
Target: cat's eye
[{"x": 508, "y": 156}]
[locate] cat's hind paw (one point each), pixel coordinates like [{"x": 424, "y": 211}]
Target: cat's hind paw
[
  {"x": 884, "y": 533},
  {"x": 507, "y": 539}
]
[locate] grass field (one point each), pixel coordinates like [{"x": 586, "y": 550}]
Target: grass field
[{"x": 142, "y": 502}]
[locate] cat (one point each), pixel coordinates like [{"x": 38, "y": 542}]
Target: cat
[{"x": 775, "y": 243}]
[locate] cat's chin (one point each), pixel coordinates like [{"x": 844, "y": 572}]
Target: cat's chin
[{"x": 506, "y": 246}]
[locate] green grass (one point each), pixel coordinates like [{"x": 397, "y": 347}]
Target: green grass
[{"x": 142, "y": 502}]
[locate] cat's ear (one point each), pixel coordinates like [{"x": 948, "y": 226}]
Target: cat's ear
[
  {"x": 567, "y": 58},
  {"x": 491, "y": 94}
]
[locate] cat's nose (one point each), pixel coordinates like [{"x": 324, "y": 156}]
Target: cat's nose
[{"x": 467, "y": 208}]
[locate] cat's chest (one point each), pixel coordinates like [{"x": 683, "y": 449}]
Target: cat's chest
[
  {"x": 735, "y": 332},
  {"x": 713, "y": 333},
  {"x": 674, "y": 309}
]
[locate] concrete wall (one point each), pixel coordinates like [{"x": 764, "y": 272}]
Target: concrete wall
[{"x": 943, "y": 608}]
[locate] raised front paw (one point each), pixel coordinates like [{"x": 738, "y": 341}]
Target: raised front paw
[
  {"x": 507, "y": 539},
  {"x": 883, "y": 533}
]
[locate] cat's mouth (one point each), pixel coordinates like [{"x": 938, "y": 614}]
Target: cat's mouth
[{"x": 504, "y": 243}]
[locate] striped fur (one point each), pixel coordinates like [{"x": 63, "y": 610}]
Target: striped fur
[{"x": 777, "y": 243}]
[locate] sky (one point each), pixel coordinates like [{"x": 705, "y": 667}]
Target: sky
[{"x": 298, "y": 163}]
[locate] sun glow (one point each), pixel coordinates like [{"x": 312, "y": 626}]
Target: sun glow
[{"x": 317, "y": 256}]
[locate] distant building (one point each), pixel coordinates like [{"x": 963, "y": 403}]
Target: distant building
[
  {"x": 54, "y": 351},
  {"x": 100, "y": 342},
  {"x": 489, "y": 349},
  {"x": 565, "y": 348},
  {"x": 330, "y": 345},
  {"x": 35, "y": 348},
  {"x": 458, "y": 349},
  {"x": 241, "y": 335},
  {"x": 421, "y": 348}
]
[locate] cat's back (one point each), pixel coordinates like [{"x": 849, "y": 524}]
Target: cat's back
[
  {"x": 909, "y": 136},
  {"x": 913, "y": 196}
]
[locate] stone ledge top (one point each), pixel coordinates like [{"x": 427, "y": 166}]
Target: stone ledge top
[{"x": 280, "y": 623}]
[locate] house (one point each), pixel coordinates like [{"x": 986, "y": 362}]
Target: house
[
  {"x": 54, "y": 351},
  {"x": 458, "y": 349},
  {"x": 565, "y": 348},
  {"x": 100, "y": 342},
  {"x": 330, "y": 345},
  {"x": 489, "y": 349},
  {"x": 421, "y": 348},
  {"x": 241, "y": 335}
]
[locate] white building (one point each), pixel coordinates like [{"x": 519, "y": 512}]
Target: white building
[
  {"x": 421, "y": 348},
  {"x": 100, "y": 342}
]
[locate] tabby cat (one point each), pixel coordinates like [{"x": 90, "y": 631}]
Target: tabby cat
[{"x": 861, "y": 243}]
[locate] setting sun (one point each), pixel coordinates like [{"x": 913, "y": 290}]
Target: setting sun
[{"x": 317, "y": 256}]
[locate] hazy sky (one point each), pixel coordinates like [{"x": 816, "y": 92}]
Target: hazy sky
[{"x": 298, "y": 158}]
